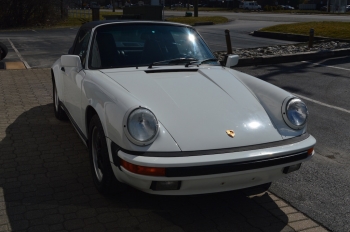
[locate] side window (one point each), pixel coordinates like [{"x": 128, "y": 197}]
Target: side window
[{"x": 82, "y": 45}]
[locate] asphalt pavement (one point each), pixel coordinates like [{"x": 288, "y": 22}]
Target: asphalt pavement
[
  {"x": 239, "y": 33},
  {"x": 38, "y": 48},
  {"x": 321, "y": 188},
  {"x": 264, "y": 16}
]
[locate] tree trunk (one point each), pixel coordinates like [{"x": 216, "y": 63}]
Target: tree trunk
[
  {"x": 195, "y": 6},
  {"x": 62, "y": 9},
  {"x": 113, "y": 5}
]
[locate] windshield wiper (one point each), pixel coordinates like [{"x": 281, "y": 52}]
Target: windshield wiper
[
  {"x": 211, "y": 59},
  {"x": 200, "y": 62},
  {"x": 174, "y": 61}
]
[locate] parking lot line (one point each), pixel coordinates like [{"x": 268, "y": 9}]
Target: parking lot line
[
  {"x": 323, "y": 104},
  {"x": 328, "y": 66},
  {"x": 19, "y": 54}
]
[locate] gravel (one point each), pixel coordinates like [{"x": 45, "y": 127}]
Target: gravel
[{"x": 285, "y": 49}]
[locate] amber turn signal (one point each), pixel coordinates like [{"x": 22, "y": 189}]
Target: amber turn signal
[
  {"x": 142, "y": 170},
  {"x": 309, "y": 152}
]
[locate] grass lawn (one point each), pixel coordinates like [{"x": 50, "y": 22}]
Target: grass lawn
[
  {"x": 340, "y": 30},
  {"x": 203, "y": 9},
  {"x": 192, "y": 20}
]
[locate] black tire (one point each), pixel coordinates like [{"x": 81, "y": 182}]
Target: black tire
[
  {"x": 3, "y": 51},
  {"x": 102, "y": 173},
  {"x": 59, "y": 112}
]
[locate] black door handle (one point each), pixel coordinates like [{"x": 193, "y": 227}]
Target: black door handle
[{"x": 62, "y": 69}]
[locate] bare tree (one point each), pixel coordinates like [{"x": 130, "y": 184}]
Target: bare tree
[
  {"x": 20, "y": 13},
  {"x": 195, "y": 8},
  {"x": 113, "y": 5}
]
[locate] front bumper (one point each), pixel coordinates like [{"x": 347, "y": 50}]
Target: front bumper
[{"x": 214, "y": 173}]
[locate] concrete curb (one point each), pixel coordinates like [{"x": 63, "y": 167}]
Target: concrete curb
[
  {"x": 291, "y": 37},
  {"x": 262, "y": 60},
  {"x": 15, "y": 65}
]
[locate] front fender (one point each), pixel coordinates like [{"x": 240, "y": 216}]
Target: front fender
[
  {"x": 111, "y": 102},
  {"x": 57, "y": 77},
  {"x": 271, "y": 98}
]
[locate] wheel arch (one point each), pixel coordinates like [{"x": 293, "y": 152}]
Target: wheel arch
[
  {"x": 57, "y": 78},
  {"x": 89, "y": 113},
  {"x": 52, "y": 75}
]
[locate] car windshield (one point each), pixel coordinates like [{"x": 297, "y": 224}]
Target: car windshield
[{"x": 137, "y": 44}]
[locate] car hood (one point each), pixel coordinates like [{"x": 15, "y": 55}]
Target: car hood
[{"x": 198, "y": 106}]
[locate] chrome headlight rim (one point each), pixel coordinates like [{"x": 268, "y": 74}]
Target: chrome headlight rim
[
  {"x": 285, "y": 115},
  {"x": 128, "y": 134}
]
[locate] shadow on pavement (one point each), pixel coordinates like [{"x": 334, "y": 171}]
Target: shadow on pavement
[{"x": 46, "y": 185}]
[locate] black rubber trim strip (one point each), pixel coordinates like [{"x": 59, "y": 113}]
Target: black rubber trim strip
[
  {"x": 233, "y": 167},
  {"x": 219, "y": 151},
  {"x": 2, "y": 65},
  {"x": 170, "y": 70},
  {"x": 73, "y": 122}
]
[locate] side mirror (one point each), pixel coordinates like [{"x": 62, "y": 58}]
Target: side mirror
[
  {"x": 232, "y": 60},
  {"x": 71, "y": 61}
]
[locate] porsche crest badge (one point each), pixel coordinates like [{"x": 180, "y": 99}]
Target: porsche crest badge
[{"x": 230, "y": 133}]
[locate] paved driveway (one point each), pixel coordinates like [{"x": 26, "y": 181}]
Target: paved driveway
[
  {"x": 321, "y": 189},
  {"x": 46, "y": 185}
]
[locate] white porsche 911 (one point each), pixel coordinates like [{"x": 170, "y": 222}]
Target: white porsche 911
[{"x": 158, "y": 112}]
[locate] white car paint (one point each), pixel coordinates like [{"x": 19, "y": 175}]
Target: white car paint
[
  {"x": 207, "y": 102},
  {"x": 194, "y": 109}
]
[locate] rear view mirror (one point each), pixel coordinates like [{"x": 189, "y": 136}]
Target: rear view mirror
[
  {"x": 232, "y": 60},
  {"x": 70, "y": 61}
]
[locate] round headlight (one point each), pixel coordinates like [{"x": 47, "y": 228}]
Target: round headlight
[
  {"x": 142, "y": 126},
  {"x": 295, "y": 113}
]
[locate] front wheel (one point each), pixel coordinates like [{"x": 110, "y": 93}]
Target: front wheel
[{"x": 102, "y": 172}]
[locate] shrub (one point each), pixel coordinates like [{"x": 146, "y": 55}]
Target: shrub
[
  {"x": 21, "y": 13},
  {"x": 267, "y": 8}
]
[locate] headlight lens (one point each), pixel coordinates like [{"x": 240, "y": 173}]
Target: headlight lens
[
  {"x": 297, "y": 112},
  {"x": 142, "y": 125}
]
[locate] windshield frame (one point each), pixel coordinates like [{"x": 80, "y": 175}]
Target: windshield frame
[{"x": 94, "y": 33}]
